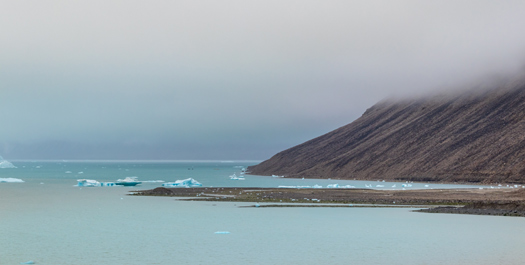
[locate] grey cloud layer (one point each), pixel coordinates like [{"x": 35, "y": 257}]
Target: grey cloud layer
[{"x": 240, "y": 74}]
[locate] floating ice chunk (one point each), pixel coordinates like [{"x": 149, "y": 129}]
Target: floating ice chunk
[
  {"x": 68, "y": 172},
  {"x": 275, "y": 176},
  {"x": 12, "y": 180},
  {"x": 317, "y": 186},
  {"x": 222, "y": 232},
  {"x": 348, "y": 187},
  {"x": 406, "y": 185},
  {"x": 88, "y": 183},
  {"x": 94, "y": 183},
  {"x": 234, "y": 177},
  {"x": 28, "y": 262},
  {"x": 189, "y": 182},
  {"x": 380, "y": 186},
  {"x": 426, "y": 186},
  {"x": 128, "y": 181},
  {"x": 393, "y": 186},
  {"x": 331, "y": 186},
  {"x": 5, "y": 163}
]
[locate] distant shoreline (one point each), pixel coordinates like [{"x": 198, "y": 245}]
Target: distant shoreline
[{"x": 502, "y": 202}]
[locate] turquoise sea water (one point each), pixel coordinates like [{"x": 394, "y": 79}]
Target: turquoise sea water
[{"x": 50, "y": 221}]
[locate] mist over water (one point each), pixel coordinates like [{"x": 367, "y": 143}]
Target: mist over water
[{"x": 230, "y": 80}]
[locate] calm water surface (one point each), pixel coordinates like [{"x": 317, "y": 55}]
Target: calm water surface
[{"x": 48, "y": 220}]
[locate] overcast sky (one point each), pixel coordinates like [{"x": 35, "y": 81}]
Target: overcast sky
[{"x": 229, "y": 79}]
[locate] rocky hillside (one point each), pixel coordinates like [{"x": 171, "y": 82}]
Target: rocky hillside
[{"x": 466, "y": 137}]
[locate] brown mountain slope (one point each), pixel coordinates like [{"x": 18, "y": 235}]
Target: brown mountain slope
[{"x": 469, "y": 137}]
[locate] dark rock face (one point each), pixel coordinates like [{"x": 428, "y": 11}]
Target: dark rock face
[{"x": 468, "y": 137}]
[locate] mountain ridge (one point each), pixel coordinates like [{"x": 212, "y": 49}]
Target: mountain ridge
[{"x": 466, "y": 137}]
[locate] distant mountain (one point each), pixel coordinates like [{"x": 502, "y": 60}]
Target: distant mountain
[{"x": 465, "y": 137}]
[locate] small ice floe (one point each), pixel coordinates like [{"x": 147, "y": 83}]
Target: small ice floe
[
  {"x": 6, "y": 164},
  {"x": 11, "y": 180},
  {"x": 94, "y": 183},
  {"x": 257, "y": 205},
  {"x": 234, "y": 177},
  {"x": 222, "y": 232},
  {"x": 183, "y": 183},
  {"x": 347, "y": 187},
  {"x": 368, "y": 186},
  {"x": 128, "y": 181},
  {"x": 81, "y": 172},
  {"x": 380, "y": 186},
  {"x": 406, "y": 185},
  {"x": 393, "y": 186},
  {"x": 426, "y": 186},
  {"x": 275, "y": 176},
  {"x": 68, "y": 172},
  {"x": 332, "y": 186},
  {"x": 28, "y": 262},
  {"x": 317, "y": 186}
]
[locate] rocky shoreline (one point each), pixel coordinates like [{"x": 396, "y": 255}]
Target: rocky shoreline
[
  {"x": 504, "y": 202},
  {"x": 482, "y": 208}
]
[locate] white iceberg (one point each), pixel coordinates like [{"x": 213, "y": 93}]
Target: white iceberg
[
  {"x": 128, "y": 181},
  {"x": 222, "y": 232},
  {"x": 189, "y": 182},
  {"x": 88, "y": 183},
  {"x": 11, "y": 180},
  {"x": 5, "y": 163},
  {"x": 332, "y": 186},
  {"x": 234, "y": 177},
  {"x": 94, "y": 183}
]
